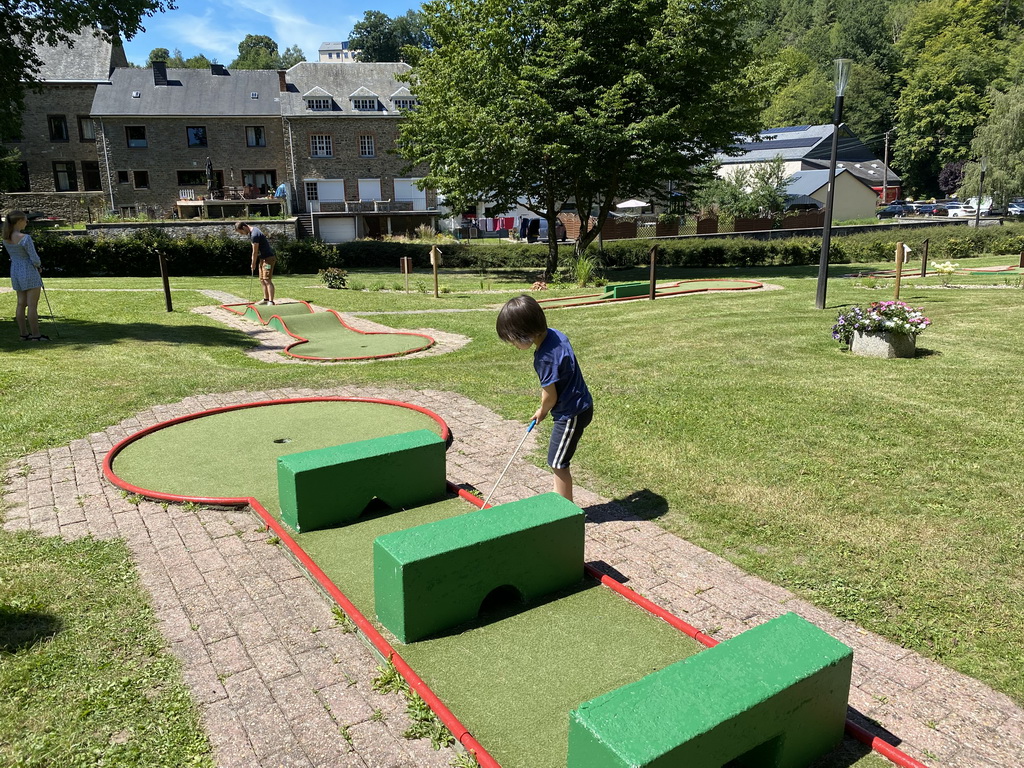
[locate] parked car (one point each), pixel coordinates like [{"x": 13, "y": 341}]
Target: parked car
[
  {"x": 893, "y": 211},
  {"x": 960, "y": 211},
  {"x": 933, "y": 209},
  {"x": 1015, "y": 209}
]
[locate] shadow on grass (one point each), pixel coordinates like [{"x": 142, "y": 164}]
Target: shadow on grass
[
  {"x": 23, "y": 629},
  {"x": 850, "y": 751},
  {"x": 87, "y": 333}
]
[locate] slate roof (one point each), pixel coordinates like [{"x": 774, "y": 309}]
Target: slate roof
[
  {"x": 90, "y": 59},
  {"x": 812, "y": 145},
  {"x": 190, "y": 92},
  {"x": 809, "y": 182},
  {"x": 357, "y": 78}
]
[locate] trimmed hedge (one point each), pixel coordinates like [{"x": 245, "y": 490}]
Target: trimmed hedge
[{"x": 136, "y": 254}]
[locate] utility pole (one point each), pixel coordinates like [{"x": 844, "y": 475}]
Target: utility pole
[{"x": 885, "y": 170}]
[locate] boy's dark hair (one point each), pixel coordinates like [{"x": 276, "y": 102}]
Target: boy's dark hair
[
  {"x": 240, "y": 225},
  {"x": 520, "y": 320}
]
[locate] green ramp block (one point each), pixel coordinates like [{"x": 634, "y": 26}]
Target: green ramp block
[
  {"x": 622, "y": 290},
  {"x": 332, "y": 486},
  {"x": 772, "y": 697},
  {"x": 435, "y": 576}
]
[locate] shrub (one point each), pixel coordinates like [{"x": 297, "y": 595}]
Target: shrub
[{"x": 333, "y": 277}]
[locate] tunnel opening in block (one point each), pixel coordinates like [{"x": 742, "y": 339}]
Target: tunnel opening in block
[{"x": 501, "y": 601}]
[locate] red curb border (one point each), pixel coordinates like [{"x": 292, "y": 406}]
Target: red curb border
[
  {"x": 379, "y": 642},
  {"x": 301, "y": 340}
]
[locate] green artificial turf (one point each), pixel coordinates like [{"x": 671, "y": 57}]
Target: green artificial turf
[
  {"x": 664, "y": 290},
  {"x": 327, "y": 338},
  {"x": 234, "y": 453}
]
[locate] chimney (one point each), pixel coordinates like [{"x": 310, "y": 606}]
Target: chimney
[
  {"x": 159, "y": 73},
  {"x": 218, "y": 69},
  {"x": 282, "y": 80}
]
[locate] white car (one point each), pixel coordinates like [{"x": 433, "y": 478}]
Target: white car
[
  {"x": 1015, "y": 209},
  {"x": 960, "y": 211}
]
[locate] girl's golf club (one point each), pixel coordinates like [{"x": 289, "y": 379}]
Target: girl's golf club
[
  {"x": 528, "y": 430},
  {"x": 53, "y": 319}
]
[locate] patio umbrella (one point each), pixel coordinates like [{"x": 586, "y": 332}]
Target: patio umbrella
[
  {"x": 209, "y": 175},
  {"x": 632, "y": 204}
]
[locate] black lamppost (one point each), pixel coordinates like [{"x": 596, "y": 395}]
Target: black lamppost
[
  {"x": 981, "y": 189},
  {"x": 842, "y": 77}
]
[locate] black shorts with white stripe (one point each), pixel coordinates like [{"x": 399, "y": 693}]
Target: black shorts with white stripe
[{"x": 565, "y": 436}]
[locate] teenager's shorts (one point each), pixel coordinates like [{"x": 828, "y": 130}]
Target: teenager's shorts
[{"x": 565, "y": 436}]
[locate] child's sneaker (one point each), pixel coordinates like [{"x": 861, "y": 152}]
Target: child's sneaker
[{"x": 262, "y": 303}]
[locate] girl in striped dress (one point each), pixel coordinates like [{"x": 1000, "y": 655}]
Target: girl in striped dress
[{"x": 25, "y": 278}]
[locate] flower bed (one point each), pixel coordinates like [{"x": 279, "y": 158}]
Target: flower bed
[{"x": 879, "y": 316}]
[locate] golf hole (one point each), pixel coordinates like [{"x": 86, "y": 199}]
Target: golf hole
[{"x": 283, "y": 440}]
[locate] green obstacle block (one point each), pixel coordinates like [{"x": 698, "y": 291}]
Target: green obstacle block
[
  {"x": 772, "y": 697},
  {"x": 332, "y": 486},
  {"x": 624, "y": 290},
  {"x": 435, "y": 576}
]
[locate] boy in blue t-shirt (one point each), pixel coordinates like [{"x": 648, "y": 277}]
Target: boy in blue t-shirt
[{"x": 564, "y": 394}]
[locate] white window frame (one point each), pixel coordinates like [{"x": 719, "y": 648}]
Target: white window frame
[
  {"x": 405, "y": 103},
  {"x": 365, "y": 105},
  {"x": 254, "y": 139},
  {"x": 321, "y": 145},
  {"x": 318, "y": 105},
  {"x": 367, "y": 146}
]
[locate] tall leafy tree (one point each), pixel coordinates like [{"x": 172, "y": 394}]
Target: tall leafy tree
[
  {"x": 1001, "y": 141},
  {"x": 378, "y": 37},
  {"x": 292, "y": 55},
  {"x": 257, "y": 52},
  {"x": 591, "y": 101},
  {"x": 55, "y": 22},
  {"x": 952, "y": 52}
]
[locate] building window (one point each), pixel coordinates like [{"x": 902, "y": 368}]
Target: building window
[
  {"x": 136, "y": 135},
  {"x": 64, "y": 179},
  {"x": 191, "y": 178},
  {"x": 366, "y": 147},
  {"x": 312, "y": 190},
  {"x": 255, "y": 136},
  {"x": 196, "y": 135},
  {"x": 320, "y": 146},
  {"x": 141, "y": 179},
  {"x": 91, "y": 179},
  {"x": 265, "y": 180},
  {"x": 405, "y": 103},
  {"x": 122, "y": 177},
  {"x": 24, "y": 185},
  {"x": 364, "y": 104},
  {"x": 86, "y": 130},
  {"x": 58, "y": 125},
  {"x": 318, "y": 105}
]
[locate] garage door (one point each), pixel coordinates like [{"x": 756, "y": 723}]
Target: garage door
[
  {"x": 337, "y": 230},
  {"x": 405, "y": 190}
]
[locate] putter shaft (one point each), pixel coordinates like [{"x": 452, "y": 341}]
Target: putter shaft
[{"x": 528, "y": 430}]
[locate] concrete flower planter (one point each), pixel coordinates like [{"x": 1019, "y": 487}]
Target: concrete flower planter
[{"x": 883, "y": 344}]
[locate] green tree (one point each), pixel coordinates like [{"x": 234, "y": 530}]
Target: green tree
[
  {"x": 1001, "y": 141},
  {"x": 157, "y": 54},
  {"x": 952, "y": 53},
  {"x": 758, "y": 190},
  {"x": 55, "y": 23},
  {"x": 591, "y": 101},
  {"x": 257, "y": 52},
  {"x": 375, "y": 39},
  {"x": 292, "y": 55}
]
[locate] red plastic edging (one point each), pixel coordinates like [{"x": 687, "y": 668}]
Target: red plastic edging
[{"x": 754, "y": 284}]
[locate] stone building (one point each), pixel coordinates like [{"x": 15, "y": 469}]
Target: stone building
[
  {"x": 61, "y": 173},
  {"x": 341, "y": 126},
  {"x": 158, "y": 128}
]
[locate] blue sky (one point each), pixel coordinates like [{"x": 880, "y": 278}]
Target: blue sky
[{"x": 216, "y": 27}]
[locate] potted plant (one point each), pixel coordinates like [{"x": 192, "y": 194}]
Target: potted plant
[{"x": 881, "y": 329}]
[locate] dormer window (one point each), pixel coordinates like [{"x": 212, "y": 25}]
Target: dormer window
[
  {"x": 364, "y": 104},
  {"x": 318, "y": 105},
  {"x": 136, "y": 94},
  {"x": 404, "y": 103}
]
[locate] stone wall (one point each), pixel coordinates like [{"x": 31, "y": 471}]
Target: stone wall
[{"x": 198, "y": 228}]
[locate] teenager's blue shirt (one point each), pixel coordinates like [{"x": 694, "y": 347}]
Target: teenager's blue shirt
[{"x": 556, "y": 364}]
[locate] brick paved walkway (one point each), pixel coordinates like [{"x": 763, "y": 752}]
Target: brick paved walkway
[{"x": 279, "y": 684}]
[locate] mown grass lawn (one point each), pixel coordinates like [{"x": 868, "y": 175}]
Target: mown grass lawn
[{"x": 884, "y": 491}]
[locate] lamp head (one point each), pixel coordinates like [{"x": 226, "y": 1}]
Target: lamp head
[
  {"x": 984, "y": 164},
  {"x": 842, "y": 75}
]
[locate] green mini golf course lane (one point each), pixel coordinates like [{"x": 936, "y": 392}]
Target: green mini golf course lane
[
  {"x": 511, "y": 678},
  {"x": 663, "y": 290},
  {"x": 511, "y": 682},
  {"x": 325, "y": 335}
]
